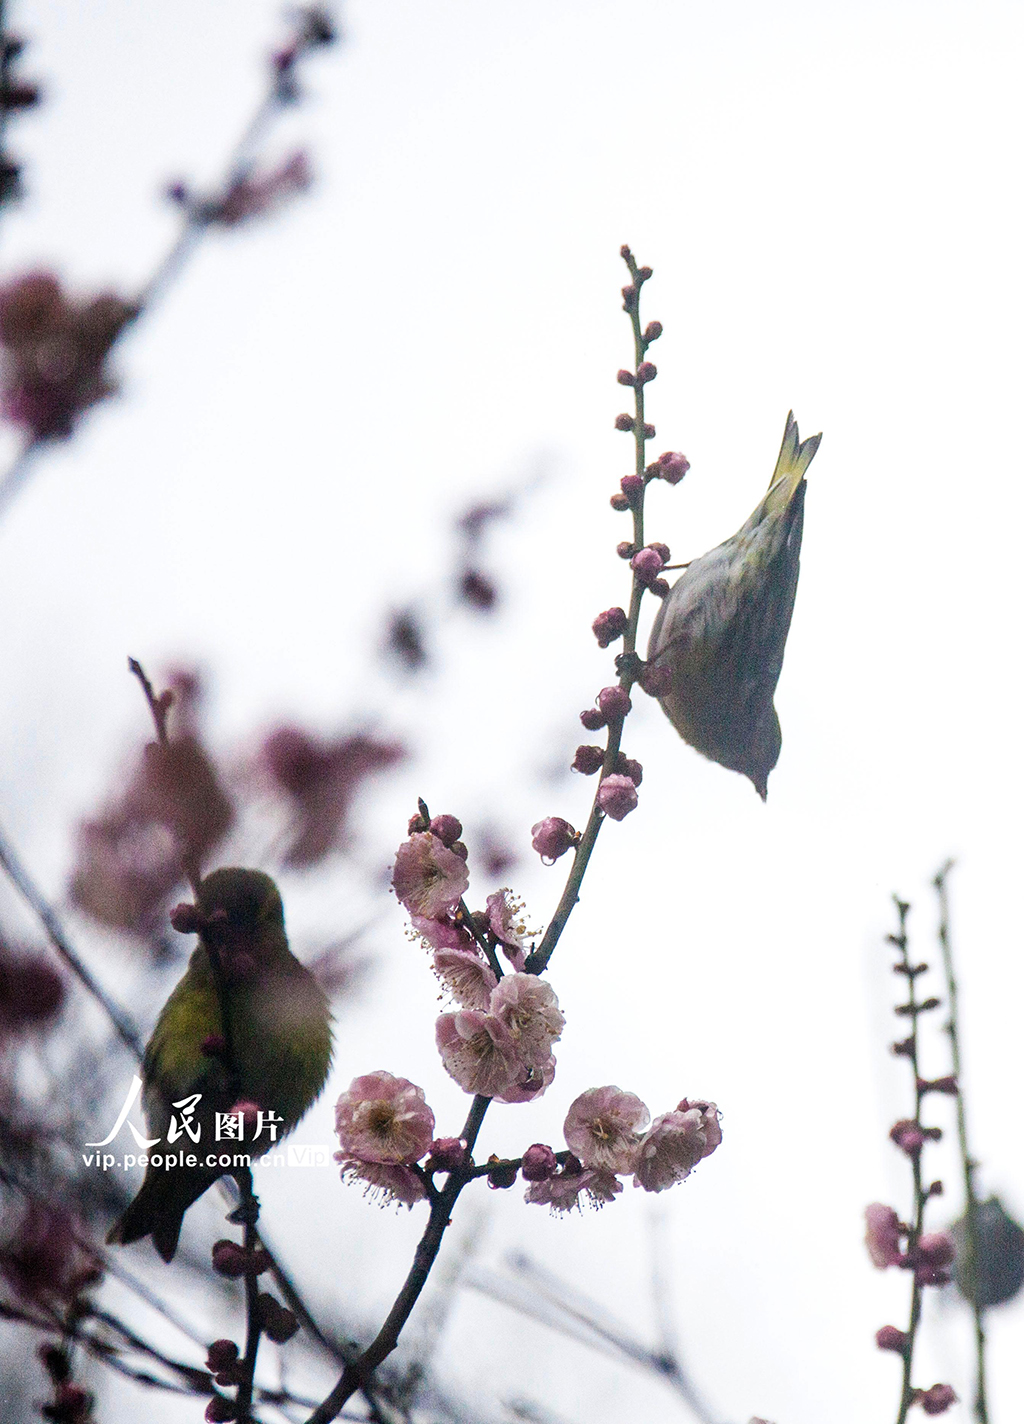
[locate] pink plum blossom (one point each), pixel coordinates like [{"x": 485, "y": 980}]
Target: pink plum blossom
[
  {"x": 528, "y": 1008},
  {"x": 710, "y": 1123},
  {"x": 389, "y": 1181},
  {"x": 428, "y": 878},
  {"x": 478, "y": 1051},
  {"x": 466, "y": 976},
  {"x": 673, "y": 1146},
  {"x": 603, "y": 1128},
  {"x": 384, "y": 1119},
  {"x": 443, "y": 934},
  {"x": 562, "y": 1192},
  {"x": 883, "y": 1235},
  {"x": 505, "y": 918}
]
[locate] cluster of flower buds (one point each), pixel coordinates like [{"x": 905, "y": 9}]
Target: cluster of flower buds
[
  {"x": 53, "y": 353},
  {"x": 929, "y": 1257},
  {"x": 610, "y": 1135}
]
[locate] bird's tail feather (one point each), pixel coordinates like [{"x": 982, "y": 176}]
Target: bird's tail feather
[
  {"x": 790, "y": 467},
  {"x": 158, "y": 1209}
]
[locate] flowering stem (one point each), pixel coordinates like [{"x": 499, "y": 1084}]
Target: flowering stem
[
  {"x": 355, "y": 1375},
  {"x": 538, "y": 960},
  {"x": 920, "y": 1196},
  {"x": 249, "y": 1211},
  {"x": 969, "y": 1266}
]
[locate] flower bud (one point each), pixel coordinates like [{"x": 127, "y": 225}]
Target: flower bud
[
  {"x": 614, "y": 703},
  {"x": 592, "y": 719},
  {"x": 908, "y": 1136},
  {"x": 889, "y": 1338},
  {"x": 279, "y": 1324},
  {"x": 935, "y": 1400},
  {"x": 645, "y": 372},
  {"x": 626, "y": 766},
  {"x": 552, "y": 837},
  {"x": 221, "y": 1355},
  {"x": 629, "y": 298},
  {"x": 662, "y": 550},
  {"x": 632, "y": 487},
  {"x": 626, "y": 378},
  {"x": 619, "y": 503},
  {"x": 649, "y": 432},
  {"x": 624, "y": 422},
  {"x": 447, "y": 829},
  {"x": 659, "y": 587},
  {"x": 617, "y": 796},
  {"x": 652, "y": 331},
  {"x": 625, "y": 550},
  {"x": 609, "y": 625},
  {"x": 647, "y": 565},
  {"x": 588, "y": 760},
  {"x": 645, "y": 274},
  {"x": 672, "y": 466},
  {"x": 539, "y": 1163},
  {"x": 185, "y": 919},
  {"x": 502, "y": 1175},
  {"x": 230, "y": 1259},
  {"x": 219, "y": 1410},
  {"x": 447, "y": 1154}
]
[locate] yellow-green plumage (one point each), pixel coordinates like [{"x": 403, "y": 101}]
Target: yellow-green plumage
[
  {"x": 721, "y": 629},
  {"x": 280, "y": 1036}
]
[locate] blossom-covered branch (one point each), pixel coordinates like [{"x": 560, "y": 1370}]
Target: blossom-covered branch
[{"x": 54, "y": 347}]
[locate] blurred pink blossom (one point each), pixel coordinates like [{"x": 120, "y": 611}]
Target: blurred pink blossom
[
  {"x": 320, "y": 780},
  {"x": 259, "y": 194},
  {"x": 172, "y": 812},
  {"x": 883, "y": 1235},
  {"x": 53, "y": 352}
]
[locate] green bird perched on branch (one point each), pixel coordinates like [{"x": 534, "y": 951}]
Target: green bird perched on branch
[
  {"x": 720, "y": 633},
  {"x": 247, "y": 1025}
]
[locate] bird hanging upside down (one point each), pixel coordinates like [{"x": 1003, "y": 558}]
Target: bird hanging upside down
[
  {"x": 274, "y": 1052},
  {"x": 721, "y": 629}
]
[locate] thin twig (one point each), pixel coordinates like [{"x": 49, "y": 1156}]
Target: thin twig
[
  {"x": 969, "y": 1266},
  {"x": 21, "y": 880}
]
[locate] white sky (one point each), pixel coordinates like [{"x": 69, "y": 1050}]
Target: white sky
[{"x": 830, "y": 198}]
